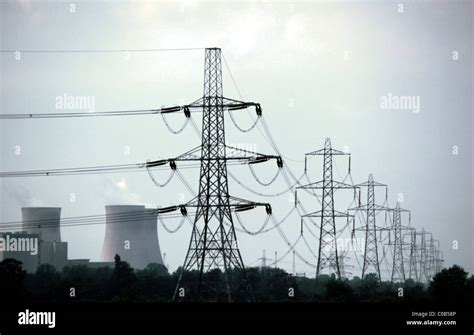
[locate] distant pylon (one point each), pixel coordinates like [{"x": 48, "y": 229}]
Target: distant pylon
[
  {"x": 424, "y": 275},
  {"x": 413, "y": 262},
  {"x": 327, "y": 249},
  {"x": 370, "y": 228},
  {"x": 439, "y": 261},
  {"x": 264, "y": 259},
  {"x": 398, "y": 267},
  {"x": 433, "y": 248},
  {"x": 342, "y": 264}
]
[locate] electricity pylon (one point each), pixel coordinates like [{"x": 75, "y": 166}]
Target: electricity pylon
[
  {"x": 439, "y": 260},
  {"x": 432, "y": 259},
  {"x": 398, "y": 266},
  {"x": 426, "y": 256},
  {"x": 327, "y": 251},
  {"x": 213, "y": 242},
  {"x": 413, "y": 252},
  {"x": 342, "y": 256},
  {"x": 370, "y": 228},
  {"x": 423, "y": 276}
]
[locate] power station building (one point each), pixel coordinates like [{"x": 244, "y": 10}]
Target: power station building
[
  {"x": 42, "y": 225},
  {"x": 23, "y": 247},
  {"x": 45, "y": 221},
  {"x": 131, "y": 232}
]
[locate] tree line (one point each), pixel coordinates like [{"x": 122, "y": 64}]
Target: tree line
[{"x": 122, "y": 283}]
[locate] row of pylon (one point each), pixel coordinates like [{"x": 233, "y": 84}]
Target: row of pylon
[{"x": 416, "y": 254}]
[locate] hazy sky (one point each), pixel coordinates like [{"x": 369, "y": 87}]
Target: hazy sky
[{"x": 319, "y": 69}]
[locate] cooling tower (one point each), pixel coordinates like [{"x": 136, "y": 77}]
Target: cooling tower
[
  {"x": 131, "y": 232},
  {"x": 43, "y": 221}
]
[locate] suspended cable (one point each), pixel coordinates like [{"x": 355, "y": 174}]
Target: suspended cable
[
  {"x": 267, "y": 219},
  {"x": 272, "y": 142},
  {"x": 172, "y": 231},
  {"x": 291, "y": 248},
  {"x": 73, "y": 171},
  {"x": 356, "y": 256},
  {"x": 184, "y": 181},
  {"x": 100, "y": 50},
  {"x": 156, "y": 182},
  {"x": 282, "y": 234},
  {"x": 259, "y": 193},
  {"x": 310, "y": 230},
  {"x": 195, "y": 127},
  {"x": 79, "y": 114},
  {"x": 82, "y": 220},
  {"x": 261, "y": 182},
  {"x": 243, "y": 130},
  {"x": 100, "y": 169},
  {"x": 304, "y": 212},
  {"x": 179, "y": 130},
  {"x": 309, "y": 191},
  {"x": 271, "y": 228},
  {"x": 268, "y": 139},
  {"x": 309, "y": 247}
]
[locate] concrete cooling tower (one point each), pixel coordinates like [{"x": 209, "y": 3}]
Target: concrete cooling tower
[
  {"x": 43, "y": 221},
  {"x": 131, "y": 232}
]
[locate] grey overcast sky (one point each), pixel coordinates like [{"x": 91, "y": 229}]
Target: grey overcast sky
[{"x": 319, "y": 69}]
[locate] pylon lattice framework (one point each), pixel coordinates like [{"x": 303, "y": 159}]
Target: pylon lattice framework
[
  {"x": 413, "y": 258},
  {"x": 327, "y": 248},
  {"x": 213, "y": 242},
  {"x": 370, "y": 228},
  {"x": 398, "y": 266}
]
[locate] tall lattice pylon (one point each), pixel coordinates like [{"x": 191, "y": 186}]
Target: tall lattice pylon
[
  {"x": 398, "y": 244},
  {"x": 370, "y": 228},
  {"x": 327, "y": 249},
  {"x": 213, "y": 243}
]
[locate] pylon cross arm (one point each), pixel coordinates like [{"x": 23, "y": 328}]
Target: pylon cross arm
[
  {"x": 199, "y": 104},
  {"x": 322, "y": 213},
  {"x": 320, "y": 185}
]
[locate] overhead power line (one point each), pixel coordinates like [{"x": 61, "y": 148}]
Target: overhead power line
[{"x": 99, "y": 50}]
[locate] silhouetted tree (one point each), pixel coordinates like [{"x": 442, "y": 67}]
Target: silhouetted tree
[
  {"x": 338, "y": 290},
  {"x": 154, "y": 283},
  {"x": 449, "y": 285},
  {"x": 470, "y": 290},
  {"x": 123, "y": 279},
  {"x": 413, "y": 291},
  {"x": 46, "y": 282},
  {"x": 90, "y": 284},
  {"x": 270, "y": 284},
  {"x": 320, "y": 285},
  {"x": 157, "y": 269},
  {"x": 369, "y": 286},
  {"x": 12, "y": 278}
]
